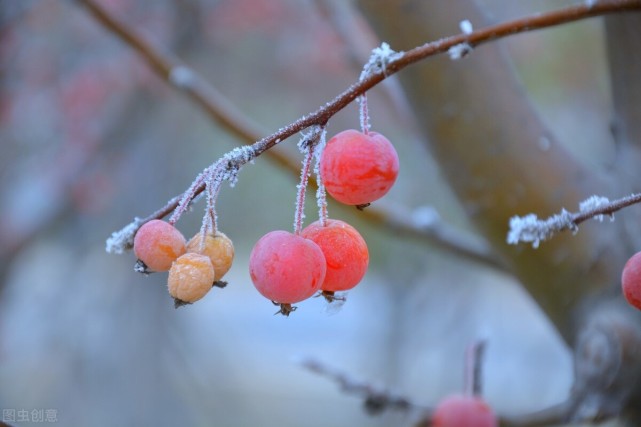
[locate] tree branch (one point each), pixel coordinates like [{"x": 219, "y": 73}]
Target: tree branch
[
  {"x": 531, "y": 229},
  {"x": 220, "y": 109},
  {"x": 182, "y": 77},
  {"x": 375, "y": 400}
]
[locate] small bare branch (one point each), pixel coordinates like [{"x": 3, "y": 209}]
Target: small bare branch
[{"x": 376, "y": 400}]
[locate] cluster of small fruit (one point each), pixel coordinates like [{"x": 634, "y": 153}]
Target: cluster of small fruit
[
  {"x": 329, "y": 255},
  {"x": 194, "y": 267}
]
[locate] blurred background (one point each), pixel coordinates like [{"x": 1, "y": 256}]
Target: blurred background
[{"x": 90, "y": 138}]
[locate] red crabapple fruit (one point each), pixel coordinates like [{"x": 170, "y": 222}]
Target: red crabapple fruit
[
  {"x": 191, "y": 276},
  {"x": 158, "y": 244},
  {"x": 345, "y": 251},
  {"x": 219, "y": 248},
  {"x": 358, "y": 168},
  {"x": 463, "y": 411},
  {"x": 631, "y": 280},
  {"x": 286, "y": 268}
]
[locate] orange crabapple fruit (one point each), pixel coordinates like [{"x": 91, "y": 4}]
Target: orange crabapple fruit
[
  {"x": 218, "y": 247},
  {"x": 191, "y": 276},
  {"x": 631, "y": 280},
  {"x": 463, "y": 411},
  {"x": 345, "y": 251},
  {"x": 358, "y": 168},
  {"x": 286, "y": 268},
  {"x": 158, "y": 244}
]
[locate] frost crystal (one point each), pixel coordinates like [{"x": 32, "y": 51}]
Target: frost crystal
[
  {"x": 378, "y": 60},
  {"x": 593, "y": 203},
  {"x": 459, "y": 51},
  {"x": 466, "y": 26},
  {"x": 122, "y": 240},
  {"x": 363, "y": 113},
  {"x": 307, "y": 144},
  {"x": 233, "y": 161},
  {"x": 531, "y": 229}
]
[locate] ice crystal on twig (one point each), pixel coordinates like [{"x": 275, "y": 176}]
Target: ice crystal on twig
[
  {"x": 466, "y": 27},
  {"x": 593, "y": 203},
  {"x": 378, "y": 60},
  {"x": 531, "y": 229},
  {"x": 234, "y": 160},
  {"x": 122, "y": 240},
  {"x": 459, "y": 51}
]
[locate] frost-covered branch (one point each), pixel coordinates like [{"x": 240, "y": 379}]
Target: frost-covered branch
[
  {"x": 531, "y": 229},
  {"x": 384, "y": 62}
]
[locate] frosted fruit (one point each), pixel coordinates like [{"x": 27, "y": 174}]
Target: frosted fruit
[
  {"x": 190, "y": 277},
  {"x": 357, "y": 168},
  {"x": 464, "y": 411},
  {"x": 631, "y": 280},
  {"x": 345, "y": 251},
  {"x": 219, "y": 248},
  {"x": 286, "y": 268},
  {"x": 158, "y": 244}
]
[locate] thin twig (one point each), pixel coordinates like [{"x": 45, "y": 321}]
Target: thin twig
[
  {"x": 184, "y": 78},
  {"x": 376, "y": 400},
  {"x": 359, "y": 38},
  {"x": 530, "y": 229}
]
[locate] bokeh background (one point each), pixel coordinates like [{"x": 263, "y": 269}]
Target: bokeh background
[{"x": 90, "y": 138}]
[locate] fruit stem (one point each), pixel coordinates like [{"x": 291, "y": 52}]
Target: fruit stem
[
  {"x": 473, "y": 368},
  {"x": 186, "y": 198},
  {"x": 302, "y": 187},
  {"x": 321, "y": 194},
  {"x": 364, "y": 114}
]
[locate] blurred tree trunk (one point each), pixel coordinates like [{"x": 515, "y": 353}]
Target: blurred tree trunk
[{"x": 501, "y": 161}]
